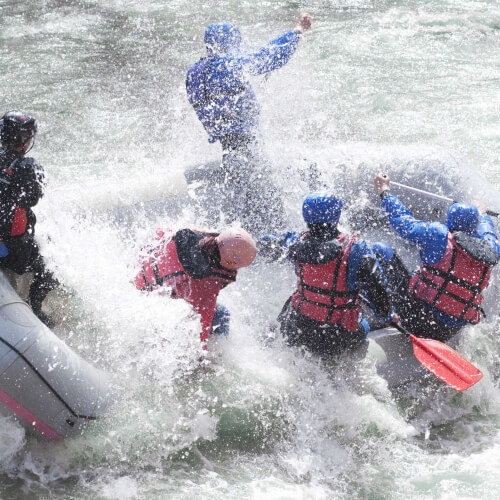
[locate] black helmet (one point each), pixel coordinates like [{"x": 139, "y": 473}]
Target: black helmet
[{"x": 16, "y": 127}]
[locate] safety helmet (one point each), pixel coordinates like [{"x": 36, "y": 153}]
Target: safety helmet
[
  {"x": 222, "y": 37},
  {"x": 16, "y": 127},
  {"x": 322, "y": 207},
  {"x": 462, "y": 217},
  {"x": 236, "y": 247}
]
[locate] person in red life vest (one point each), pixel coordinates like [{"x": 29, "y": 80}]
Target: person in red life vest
[
  {"x": 22, "y": 181},
  {"x": 445, "y": 293},
  {"x": 195, "y": 266},
  {"x": 333, "y": 268}
]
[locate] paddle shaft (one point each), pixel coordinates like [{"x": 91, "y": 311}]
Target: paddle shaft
[
  {"x": 434, "y": 196},
  {"x": 401, "y": 329}
]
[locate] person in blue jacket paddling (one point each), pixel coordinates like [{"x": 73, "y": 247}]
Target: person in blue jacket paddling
[
  {"x": 333, "y": 269},
  {"x": 218, "y": 87},
  {"x": 445, "y": 293}
]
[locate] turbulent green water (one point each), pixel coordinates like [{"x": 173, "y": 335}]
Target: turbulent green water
[{"x": 411, "y": 86}]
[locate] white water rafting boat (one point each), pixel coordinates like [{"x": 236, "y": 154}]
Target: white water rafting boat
[
  {"x": 394, "y": 358},
  {"x": 45, "y": 385}
]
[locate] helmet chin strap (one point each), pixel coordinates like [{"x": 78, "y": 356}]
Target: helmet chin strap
[{"x": 31, "y": 145}]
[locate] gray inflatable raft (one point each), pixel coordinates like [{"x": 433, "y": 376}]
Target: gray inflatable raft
[
  {"x": 44, "y": 384},
  {"x": 394, "y": 359}
]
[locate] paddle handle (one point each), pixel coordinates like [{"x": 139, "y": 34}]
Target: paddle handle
[
  {"x": 434, "y": 196},
  {"x": 401, "y": 329}
]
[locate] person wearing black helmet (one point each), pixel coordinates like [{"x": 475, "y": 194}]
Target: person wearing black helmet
[
  {"x": 445, "y": 293},
  {"x": 219, "y": 89},
  {"x": 22, "y": 181},
  {"x": 333, "y": 269}
]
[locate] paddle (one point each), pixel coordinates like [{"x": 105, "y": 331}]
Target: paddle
[
  {"x": 443, "y": 361},
  {"x": 421, "y": 192}
]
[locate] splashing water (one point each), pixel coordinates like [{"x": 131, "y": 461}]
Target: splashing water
[{"x": 408, "y": 87}]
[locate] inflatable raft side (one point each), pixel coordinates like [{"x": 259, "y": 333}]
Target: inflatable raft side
[
  {"x": 394, "y": 358},
  {"x": 42, "y": 381}
]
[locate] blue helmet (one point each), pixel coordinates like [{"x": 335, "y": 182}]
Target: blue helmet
[
  {"x": 222, "y": 37},
  {"x": 462, "y": 217},
  {"x": 322, "y": 207}
]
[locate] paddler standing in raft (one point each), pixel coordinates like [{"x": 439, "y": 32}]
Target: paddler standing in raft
[
  {"x": 195, "y": 266},
  {"x": 446, "y": 292},
  {"x": 219, "y": 90}
]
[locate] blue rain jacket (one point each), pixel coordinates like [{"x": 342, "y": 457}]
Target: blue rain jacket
[
  {"x": 219, "y": 90},
  {"x": 430, "y": 237}
]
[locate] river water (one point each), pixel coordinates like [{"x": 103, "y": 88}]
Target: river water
[{"x": 412, "y": 87}]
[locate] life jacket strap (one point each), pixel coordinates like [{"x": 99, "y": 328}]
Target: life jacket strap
[{"x": 448, "y": 277}]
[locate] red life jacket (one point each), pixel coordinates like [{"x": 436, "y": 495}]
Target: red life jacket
[
  {"x": 20, "y": 219},
  {"x": 453, "y": 285},
  {"x": 163, "y": 267},
  {"x": 322, "y": 293}
]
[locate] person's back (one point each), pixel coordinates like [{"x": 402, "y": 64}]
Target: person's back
[
  {"x": 195, "y": 266},
  {"x": 218, "y": 85},
  {"x": 219, "y": 89},
  {"x": 333, "y": 269},
  {"x": 445, "y": 293}
]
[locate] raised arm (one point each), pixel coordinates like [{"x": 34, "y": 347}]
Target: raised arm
[
  {"x": 429, "y": 237},
  {"x": 278, "y": 52}
]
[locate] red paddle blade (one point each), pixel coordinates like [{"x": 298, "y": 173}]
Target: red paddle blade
[{"x": 444, "y": 362}]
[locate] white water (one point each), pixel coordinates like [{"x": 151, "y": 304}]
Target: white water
[{"x": 404, "y": 86}]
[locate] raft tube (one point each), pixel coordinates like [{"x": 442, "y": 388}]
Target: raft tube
[
  {"x": 46, "y": 386},
  {"x": 394, "y": 358}
]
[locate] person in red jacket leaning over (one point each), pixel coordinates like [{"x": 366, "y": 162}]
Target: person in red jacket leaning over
[{"x": 195, "y": 266}]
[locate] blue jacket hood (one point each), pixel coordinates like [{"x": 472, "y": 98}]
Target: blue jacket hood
[
  {"x": 462, "y": 217},
  {"x": 222, "y": 37}
]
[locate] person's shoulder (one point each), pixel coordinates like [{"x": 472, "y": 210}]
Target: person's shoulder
[
  {"x": 436, "y": 229},
  {"x": 359, "y": 244},
  {"x": 29, "y": 163},
  {"x": 185, "y": 235}
]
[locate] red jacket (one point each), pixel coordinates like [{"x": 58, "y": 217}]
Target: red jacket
[{"x": 177, "y": 263}]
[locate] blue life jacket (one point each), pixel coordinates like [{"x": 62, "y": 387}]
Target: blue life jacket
[{"x": 218, "y": 87}]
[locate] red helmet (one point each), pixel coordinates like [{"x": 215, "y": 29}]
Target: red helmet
[{"x": 236, "y": 247}]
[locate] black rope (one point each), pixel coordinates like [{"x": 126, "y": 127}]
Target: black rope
[{"x": 42, "y": 378}]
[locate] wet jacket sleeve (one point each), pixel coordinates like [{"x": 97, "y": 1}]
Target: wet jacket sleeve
[
  {"x": 273, "y": 56},
  {"x": 430, "y": 237},
  {"x": 486, "y": 231},
  {"x": 274, "y": 247},
  {"x": 27, "y": 183},
  {"x": 365, "y": 272},
  {"x": 204, "y": 302}
]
